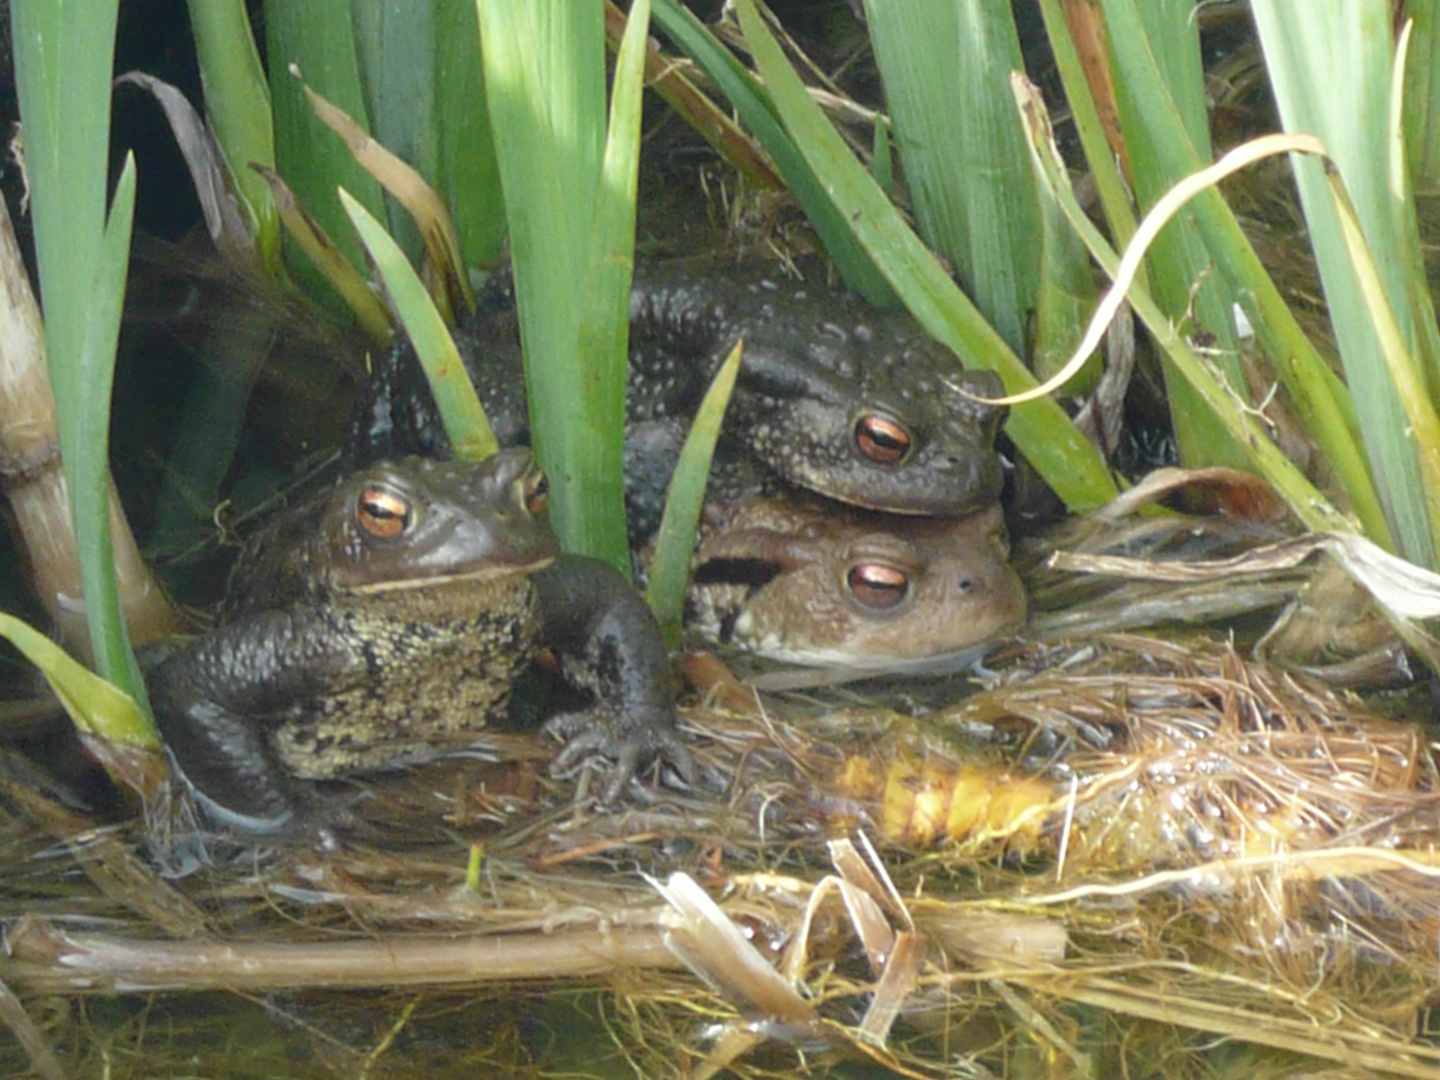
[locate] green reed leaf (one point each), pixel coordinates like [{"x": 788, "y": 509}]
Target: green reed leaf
[{"x": 465, "y": 423}]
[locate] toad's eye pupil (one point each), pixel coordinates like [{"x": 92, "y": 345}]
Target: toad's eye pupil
[
  {"x": 537, "y": 492},
  {"x": 878, "y": 586},
  {"x": 881, "y": 440},
  {"x": 383, "y": 514}
]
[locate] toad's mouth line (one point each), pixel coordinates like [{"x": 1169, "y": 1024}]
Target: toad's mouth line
[{"x": 489, "y": 572}]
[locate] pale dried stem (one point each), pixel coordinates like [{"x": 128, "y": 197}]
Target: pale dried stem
[
  {"x": 47, "y": 959},
  {"x": 42, "y": 1060}
]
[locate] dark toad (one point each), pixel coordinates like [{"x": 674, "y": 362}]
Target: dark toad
[
  {"x": 859, "y": 405},
  {"x": 850, "y": 589},
  {"x": 381, "y": 622}
]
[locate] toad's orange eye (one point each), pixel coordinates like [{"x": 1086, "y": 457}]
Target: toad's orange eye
[
  {"x": 881, "y": 439},
  {"x": 878, "y": 586},
  {"x": 537, "y": 491},
  {"x": 383, "y": 514}
]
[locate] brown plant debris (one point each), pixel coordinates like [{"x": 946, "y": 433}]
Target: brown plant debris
[{"x": 1179, "y": 843}]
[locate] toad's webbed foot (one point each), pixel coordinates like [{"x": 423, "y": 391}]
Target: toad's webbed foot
[
  {"x": 624, "y": 745},
  {"x": 609, "y": 646}
]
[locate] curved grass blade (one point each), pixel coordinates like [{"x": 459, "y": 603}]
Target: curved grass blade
[
  {"x": 1166, "y": 209},
  {"x": 675, "y": 542},
  {"x": 426, "y": 208},
  {"x": 1322, "y": 400},
  {"x": 465, "y": 421},
  {"x": 1265, "y": 457},
  {"x": 330, "y": 261},
  {"x": 228, "y": 219},
  {"x": 96, "y": 706}
]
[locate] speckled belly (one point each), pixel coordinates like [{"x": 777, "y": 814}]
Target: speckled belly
[{"x": 440, "y": 683}]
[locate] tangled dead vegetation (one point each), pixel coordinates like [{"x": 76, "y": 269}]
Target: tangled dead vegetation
[{"x": 1130, "y": 843}]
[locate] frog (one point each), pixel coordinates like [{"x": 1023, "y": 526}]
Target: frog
[
  {"x": 833, "y": 397},
  {"x": 383, "y": 621},
  {"x": 806, "y": 583}
]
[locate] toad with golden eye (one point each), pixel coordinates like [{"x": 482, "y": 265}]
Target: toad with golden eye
[
  {"x": 814, "y": 584},
  {"x": 383, "y": 622}
]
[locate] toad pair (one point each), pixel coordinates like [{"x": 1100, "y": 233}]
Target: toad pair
[
  {"x": 373, "y": 625},
  {"x": 834, "y": 399}
]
